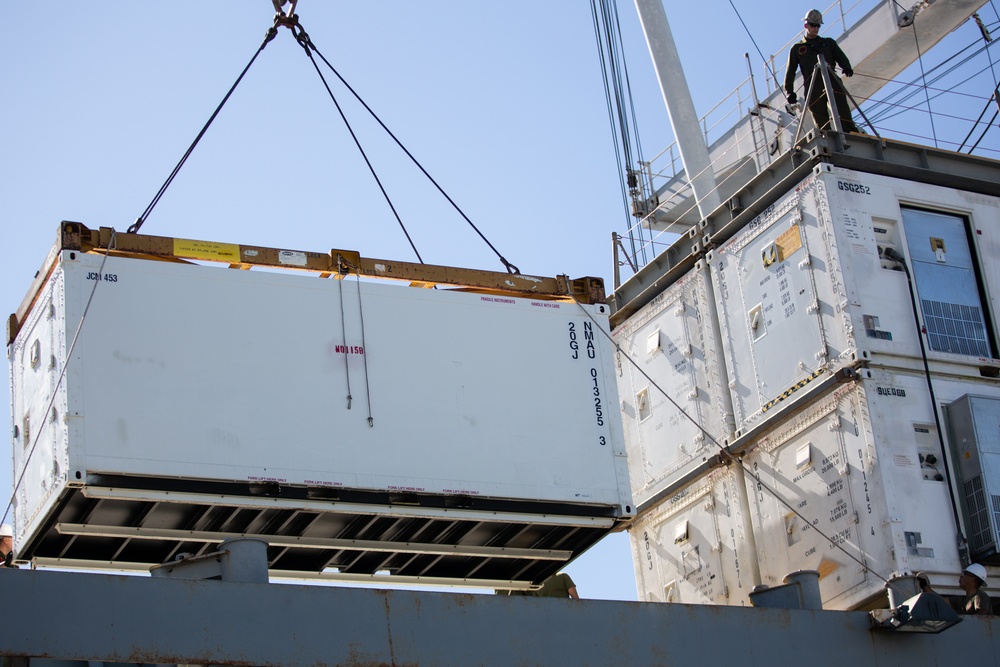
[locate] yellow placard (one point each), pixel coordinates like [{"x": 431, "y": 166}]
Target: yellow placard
[
  {"x": 789, "y": 242},
  {"x": 219, "y": 252}
]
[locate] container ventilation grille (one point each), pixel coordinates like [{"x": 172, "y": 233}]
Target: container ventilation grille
[
  {"x": 956, "y": 328},
  {"x": 980, "y": 535}
]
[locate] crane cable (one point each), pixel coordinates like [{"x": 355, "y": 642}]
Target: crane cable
[
  {"x": 272, "y": 32},
  {"x": 507, "y": 265},
  {"x": 768, "y": 66},
  {"x": 620, "y": 107},
  {"x": 988, "y": 38},
  {"x": 292, "y": 22},
  {"x": 302, "y": 37},
  {"x": 912, "y": 88}
]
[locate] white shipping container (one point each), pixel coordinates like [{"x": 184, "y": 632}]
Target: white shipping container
[
  {"x": 807, "y": 287},
  {"x": 864, "y": 466},
  {"x": 671, "y": 340},
  {"x": 237, "y": 387},
  {"x": 692, "y": 548}
]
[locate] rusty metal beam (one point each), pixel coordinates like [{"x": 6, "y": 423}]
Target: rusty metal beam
[{"x": 336, "y": 263}]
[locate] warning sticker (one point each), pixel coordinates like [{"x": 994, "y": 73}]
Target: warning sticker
[
  {"x": 789, "y": 242},
  {"x": 221, "y": 252}
]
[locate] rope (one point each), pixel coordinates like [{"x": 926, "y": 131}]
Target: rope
[
  {"x": 341, "y": 264},
  {"x": 725, "y": 452},
  {"x": 134, "y": 228},
  {"x": 767, "y": 65},
  {"x": 364, "y": 344},
  {"x": 343, "y": 328}
]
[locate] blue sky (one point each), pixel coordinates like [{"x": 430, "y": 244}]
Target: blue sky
[{"x": 501, "y": 102}]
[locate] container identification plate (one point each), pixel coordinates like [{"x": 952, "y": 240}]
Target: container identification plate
[{"x": 789, "y": 242}]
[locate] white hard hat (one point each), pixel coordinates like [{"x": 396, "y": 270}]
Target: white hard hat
[
  {"x": 6, "y": 530},
  {"x": 814, "y": 16},
  {"x": 978, "y": 571}
]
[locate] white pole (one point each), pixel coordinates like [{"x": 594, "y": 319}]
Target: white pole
[{"x": 680, "y": 108}]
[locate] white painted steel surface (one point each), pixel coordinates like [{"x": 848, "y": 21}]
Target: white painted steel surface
[
  {"x": 692, "y": 548},
  {"x": 671, "y": 341},
  {"x": 803, "y": 290},
  {"x": 201, "y": 372},
  {"x": 864, "y": 466}
]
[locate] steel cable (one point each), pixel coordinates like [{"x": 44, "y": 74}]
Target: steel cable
[
  {"x": 62, "y": 374},
  {"x": 310, "y": 46},
  {"x": 134, "y": 228}
]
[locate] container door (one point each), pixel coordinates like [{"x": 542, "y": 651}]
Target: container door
[
  {"x": 667, "y": 340},
  {"x": 770, "y": 315}
]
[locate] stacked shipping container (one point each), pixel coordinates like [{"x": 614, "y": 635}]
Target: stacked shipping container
[{"x": 850, "y": 479}]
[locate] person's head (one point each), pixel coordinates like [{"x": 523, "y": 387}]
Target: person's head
[
  {"x": 811, "y": 22},
  {"x": 973, "y": 578},
  {"x": 6, "y": 538}
]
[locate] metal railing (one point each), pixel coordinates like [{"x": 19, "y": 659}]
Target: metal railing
[{"x": 662, "y": 184}]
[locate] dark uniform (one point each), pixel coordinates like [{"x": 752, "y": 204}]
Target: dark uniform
[
  {"x": 804, "y": 56},
  {"x": 977, "y": 604},
  {"x": 556, "y": 586}
]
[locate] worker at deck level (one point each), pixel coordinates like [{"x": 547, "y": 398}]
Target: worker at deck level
[
  {"x": 6, "y": 545},
  {"x": 803, "y": 56},
  {"x": 976, "y": 601},
  {"x": 558, "y": 586}
]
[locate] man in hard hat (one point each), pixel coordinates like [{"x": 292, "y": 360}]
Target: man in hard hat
[
  {"x": 803, "y": 56},
  {"x": 6, "y": 545},
  {"x": 976, "y": 601}
]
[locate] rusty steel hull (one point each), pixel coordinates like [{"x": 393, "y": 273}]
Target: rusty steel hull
[{"x": 98, "y": 617}]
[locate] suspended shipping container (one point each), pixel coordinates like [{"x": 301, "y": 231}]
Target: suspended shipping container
[{"x": 362, "y": 426}]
